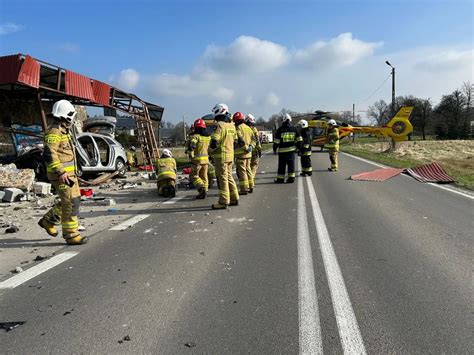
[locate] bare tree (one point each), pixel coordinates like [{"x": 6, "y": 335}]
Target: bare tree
[
  {"x": 379, "y": 112},
  {"x": 468, "y": 89},
  {"x": 425, "y": 109}
]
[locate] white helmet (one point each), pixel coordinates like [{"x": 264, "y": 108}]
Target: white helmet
[
  {"x": 303, "y": 124},
  {"x": 286, "y": 118},
  {"x": 332, "y": 122},
  {"x": 166, "y": 153},
  {"x": 220, "y": 109},
  {"x": 65, "y": 110},
  {"x": 250, "y": 118}
]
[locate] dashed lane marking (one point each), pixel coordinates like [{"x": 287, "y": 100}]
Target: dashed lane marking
[
  {"x": 173, "y": 200},
  {"x": 310, "y": 341},
  {"x": 349, "y": 332},
  {"x": 34, "y": 271},
  {"x": 450, "y": 189},
  {"x": 129, "y": 222}
]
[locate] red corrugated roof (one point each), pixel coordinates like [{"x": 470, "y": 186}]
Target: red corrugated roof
[
  {"x": 9, "y": 68},
  {"x": 101, "y": 92},
  {"x": 432, "y": 172},
  {"x": 79, "y": 85},
  {"x": 377, "y": 175},
  {"x": 30, "y": 72}
]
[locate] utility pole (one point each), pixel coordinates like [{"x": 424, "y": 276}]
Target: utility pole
[
  {"x": 353, "y": 120},
  {"x": 184, "y": 130},
  {"x": 393, "y": 86}
]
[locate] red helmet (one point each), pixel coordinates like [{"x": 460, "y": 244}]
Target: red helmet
[
  {"x": 238, "y": 117},
  {"x": 199, "y": 123}
]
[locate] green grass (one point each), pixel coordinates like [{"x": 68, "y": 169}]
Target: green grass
[{"x": 462, "y": 175}]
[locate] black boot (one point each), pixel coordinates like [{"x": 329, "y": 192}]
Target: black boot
[
  {"x": 290, "y": 180},
  {"x": 202, "y": 194}
]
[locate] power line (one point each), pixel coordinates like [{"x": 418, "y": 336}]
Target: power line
[{"x": 376, "y": 90}]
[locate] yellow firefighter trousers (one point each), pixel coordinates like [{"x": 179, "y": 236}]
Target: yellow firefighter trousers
[
  {"x": 164, "y": 183},
  {"x": 333, "y": 157},
  {"x": 253, "y": 167},
  {"x": 244, "y": 173},
  {"x": 199, "y": 176},
  {"x": 227, "y": 188},
  {"x": 66, "y": 210}
]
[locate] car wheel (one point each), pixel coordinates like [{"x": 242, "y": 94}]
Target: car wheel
[{"x": 121, "y": 168}]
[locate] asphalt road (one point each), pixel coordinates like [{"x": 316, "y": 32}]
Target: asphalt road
[{"x": 361, "y": 266}]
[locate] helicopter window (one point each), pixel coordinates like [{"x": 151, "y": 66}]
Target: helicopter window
[{"x": 318, "y": 132}]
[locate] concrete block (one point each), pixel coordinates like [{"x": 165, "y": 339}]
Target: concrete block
[
  {"x": 42, "y": 188},
  {"x": 99, "y": 202},
  {"x": 2, "y": 194},
  {"x": 12, "y": 194}
]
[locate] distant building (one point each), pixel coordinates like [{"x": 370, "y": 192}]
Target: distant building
[{"x": 126, "y": 125}]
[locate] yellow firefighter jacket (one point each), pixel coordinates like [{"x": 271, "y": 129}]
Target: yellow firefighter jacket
[
  {"x": 200, "y": 146},
  {"x": 247, "y": 139},
  {"x": 166, "y": 168},
  {"x": 224, "y": 135},
  {"x": 332, "y": 139},
  {"x": 59, "y": 154}
]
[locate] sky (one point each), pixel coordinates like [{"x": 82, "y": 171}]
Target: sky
[{"x": 256, "y": 56}]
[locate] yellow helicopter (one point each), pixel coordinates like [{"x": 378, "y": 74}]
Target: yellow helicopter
[{"x": 398, "y": 128}]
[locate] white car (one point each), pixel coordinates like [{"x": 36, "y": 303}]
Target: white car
[{"x": 97, "y": 153}]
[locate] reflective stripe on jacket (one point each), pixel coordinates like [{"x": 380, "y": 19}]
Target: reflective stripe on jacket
[
  {"x": 307, "y": 137},
  {"x": 246, "y": 137},
  {"x": 59, "y": 154},
  {"x": 332, "y": 139},
  {"x": 224, "y": 135},
  {"x": 286, "y": 139},
  {"x": 166, "y": 168},
  {"x": 200, "y": 146}
]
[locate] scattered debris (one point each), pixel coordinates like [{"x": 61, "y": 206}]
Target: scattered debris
[
  {"x": 39, "y": 258},
  {"x": 190, "y": 344},
  {"x": 12, "y": 229},
  {"x": 9, "y": 326},
  {"x": 129, "y": 185},
  {"x": 12, "y": 194},
  {"x": 125, "y": 338},
  {"x": 12, "y": 177},
  {"x": 18, "y": 269},
  {"x": 68, "y": 312},
  {"x": 99, "y": 201},
  {"x": 234, "y": 219},
  {"x": 202, "y": 253},
  {"x": 42, "y": 188},
  {"x": 45, "y": 308}
]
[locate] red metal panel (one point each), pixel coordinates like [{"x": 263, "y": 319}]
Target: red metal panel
[
  {"x": 9, "y": 68},
  {"x": 377, "y": 175},
  {"x": 101, "y": 92},
  {"x": 432, "y": 172},
  {"x": 30, "y": 72},
  {"x": 79, "y": 85}
]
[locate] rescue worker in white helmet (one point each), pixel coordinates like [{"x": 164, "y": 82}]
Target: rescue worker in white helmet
[
  {"x": 166, "y": 174},
  {"x": 257, "y": 152},
  {"x": 222, "y": 151},
  {"x": 332, "y": 144},
  {"x": 60, "y": 158},
  {"x": 287, "y": 140},
  {"x": 199, "y": 145},
  {"x": 246, "y": 142},
  {"x": 305, "y": 148}
]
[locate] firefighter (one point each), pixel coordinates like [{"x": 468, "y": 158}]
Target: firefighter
[
  {"x": 332, "y": 144},
  {"x": 246, "y": 141},
  {"x": 60, "y": 158},
  {"x": 166, "y": 174},
  {"x": 199, "y": 144},
  {"x": 286, "y": 141},
  {"x": 305, "y": 148},
  {"x": 257, "y": 152},
  {"x": 222, "y": 150},
  {"x": 131, "y": 157},
  {"x": 187, "y": 146}
]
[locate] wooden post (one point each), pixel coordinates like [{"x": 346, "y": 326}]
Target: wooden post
[{"x": 44, "y": 122}]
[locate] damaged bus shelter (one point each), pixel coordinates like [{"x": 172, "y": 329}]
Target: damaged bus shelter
[{"x": 29, "y": 87}]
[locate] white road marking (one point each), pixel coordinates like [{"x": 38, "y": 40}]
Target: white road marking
[
  {"x": 34, "y": 271},
  {"x": 349, "y": 332},
  {"x": 450, "y": 189},
  {"x": 129, "y": 222},
  {"x": 310, "y": 340},
  {"x": 173, "y": 200}
]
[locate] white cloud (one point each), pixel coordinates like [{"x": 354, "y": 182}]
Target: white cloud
[
  {"x": 70, "y": 47},
  {"x": 9, "y": 27},
  {"x": 128, "y": 79},
  {"x": 340, "y": 51},
  {"x": 223, "y": 94},
  {"x": 446, "y": 60},
  {"x": 272, "y": 99},
  {"x": 246, "y": 54}
]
